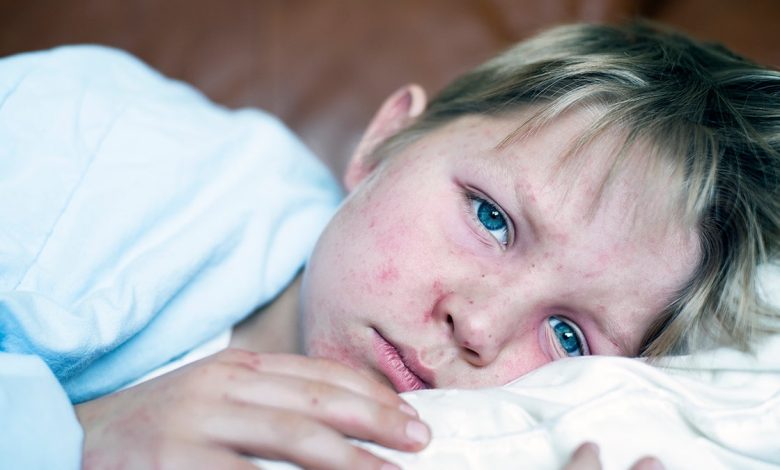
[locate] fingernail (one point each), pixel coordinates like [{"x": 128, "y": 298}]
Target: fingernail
[
  {"x": 389, "y": 466},
  {"x": 408, "y": 410},
  {"x": 655, "y": 464},
  {"x": 591, "y": 447},
  {"x": 418, "y": 432}
]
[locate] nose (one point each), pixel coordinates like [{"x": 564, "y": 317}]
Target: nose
[{"x": 479, "y": 331}]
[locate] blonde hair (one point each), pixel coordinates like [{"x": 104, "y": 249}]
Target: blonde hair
[{"x": 712, "y": 114}]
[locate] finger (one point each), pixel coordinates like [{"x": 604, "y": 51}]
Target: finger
[
  {"x": 191, "y": 455},
  {"x": 349, "y": 413},
  {"x": 586, "y": 457},
  {"x": 284, "y": 435},
  {"x": 316, "y": 369},
  {"x": 648, "y": 463}
]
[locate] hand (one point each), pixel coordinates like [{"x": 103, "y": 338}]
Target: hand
[
  {"x": 237, "y": 403},
  {"x": 586, "y": 457}
]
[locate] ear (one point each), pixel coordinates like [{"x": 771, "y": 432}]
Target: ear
[{"x": 398, "y": 111}]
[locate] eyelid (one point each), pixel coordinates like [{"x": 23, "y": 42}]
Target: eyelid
[
  {"x": 472, "y": 194},
  {"x": 577, "y": 330}
]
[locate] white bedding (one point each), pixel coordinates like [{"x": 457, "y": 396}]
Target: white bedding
[
  {"x": 719, "y": 410},
  {"x": 723, "y": 414},
  {"x": 714, "y": 410}
]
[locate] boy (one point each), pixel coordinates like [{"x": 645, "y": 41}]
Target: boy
[{"x": 596, "y": 190}]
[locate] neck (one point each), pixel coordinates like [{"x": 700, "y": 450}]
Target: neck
[{"x": 272, "y": 328}]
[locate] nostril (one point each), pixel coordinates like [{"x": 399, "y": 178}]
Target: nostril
[{"x": 473, "y": 354}]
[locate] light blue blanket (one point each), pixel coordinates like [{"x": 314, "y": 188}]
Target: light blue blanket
[{"x": 137, "y": 220}]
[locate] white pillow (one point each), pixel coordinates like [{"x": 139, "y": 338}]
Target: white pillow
[{"x": 716, "y": 410}]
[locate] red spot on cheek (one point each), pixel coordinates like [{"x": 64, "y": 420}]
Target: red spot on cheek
[
  {"x": 427, "y": 316},
  {"x": 438, "y": 289},
  {"x": 391, "y": 240},
  {"x": 387, "y": 273},
  {"x": 438, "y": 293}
]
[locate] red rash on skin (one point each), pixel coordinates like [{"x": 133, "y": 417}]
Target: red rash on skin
[
  {"x": 387, "y": 273},
  {"x": 406, "y": 229},
  {"x": 438, "y": 293},
  {"x": 390, "y": 241},
  {"x": 427, "y": 317},
  {"x": 438, "y": 289}
]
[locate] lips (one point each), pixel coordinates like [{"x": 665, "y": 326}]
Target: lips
[{"x": 396, "y": 367}]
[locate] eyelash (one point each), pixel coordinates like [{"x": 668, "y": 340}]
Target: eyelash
[
  {"x": 582, "y": 343},
  {"x": 473, "y": 197}
]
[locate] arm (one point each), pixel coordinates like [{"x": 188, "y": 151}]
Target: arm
[{"x": 139, "y": 206}]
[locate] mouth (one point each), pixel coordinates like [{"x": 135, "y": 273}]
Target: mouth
[{"x": 402, "y": 371}]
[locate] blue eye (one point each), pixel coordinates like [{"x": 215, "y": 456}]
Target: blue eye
[
  {"x": 491, "y": 218},
  {"x": 568, "y": 337}
]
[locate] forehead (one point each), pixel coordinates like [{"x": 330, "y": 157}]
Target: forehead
[{"x": 597, "y": 176}]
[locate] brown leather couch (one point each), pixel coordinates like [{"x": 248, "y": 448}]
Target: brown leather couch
[{"x": 325, "y": 65}]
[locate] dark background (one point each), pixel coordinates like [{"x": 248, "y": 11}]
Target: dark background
[{"x": 324, "y": 66}]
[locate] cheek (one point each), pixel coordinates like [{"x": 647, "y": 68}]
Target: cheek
[
  {"x": 526, "y": 354},
  {"x": 372, "y": 261},
  {"x": 337, "y": 351},
  {"x": 393, "y": 249},
  {"x": 387, "y": 273}
]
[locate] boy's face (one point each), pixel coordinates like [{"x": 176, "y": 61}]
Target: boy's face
[{"x": 457, "y": 264}]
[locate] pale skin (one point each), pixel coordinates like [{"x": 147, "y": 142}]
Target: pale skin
[{"x": 415, "y": 262}]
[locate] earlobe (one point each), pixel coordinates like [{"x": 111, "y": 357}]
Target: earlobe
[{"x": 398, "y": 111}]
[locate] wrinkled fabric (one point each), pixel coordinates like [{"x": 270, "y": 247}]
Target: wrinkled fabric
[
  {"x": 137, "y": 221},
  {"x": 716, "y": 410}
]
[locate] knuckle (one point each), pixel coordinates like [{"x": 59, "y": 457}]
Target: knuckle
[
  {"x": 362, "y": 459},
  {"x": 208, "y": 373},
  {"x": 237, "y": 355},
  {"x": 320, "y": 391},
  {"x": 292, "y": 427},
  {"x": 302, "y": 429},
  {"x": 390, "y": 418}
]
